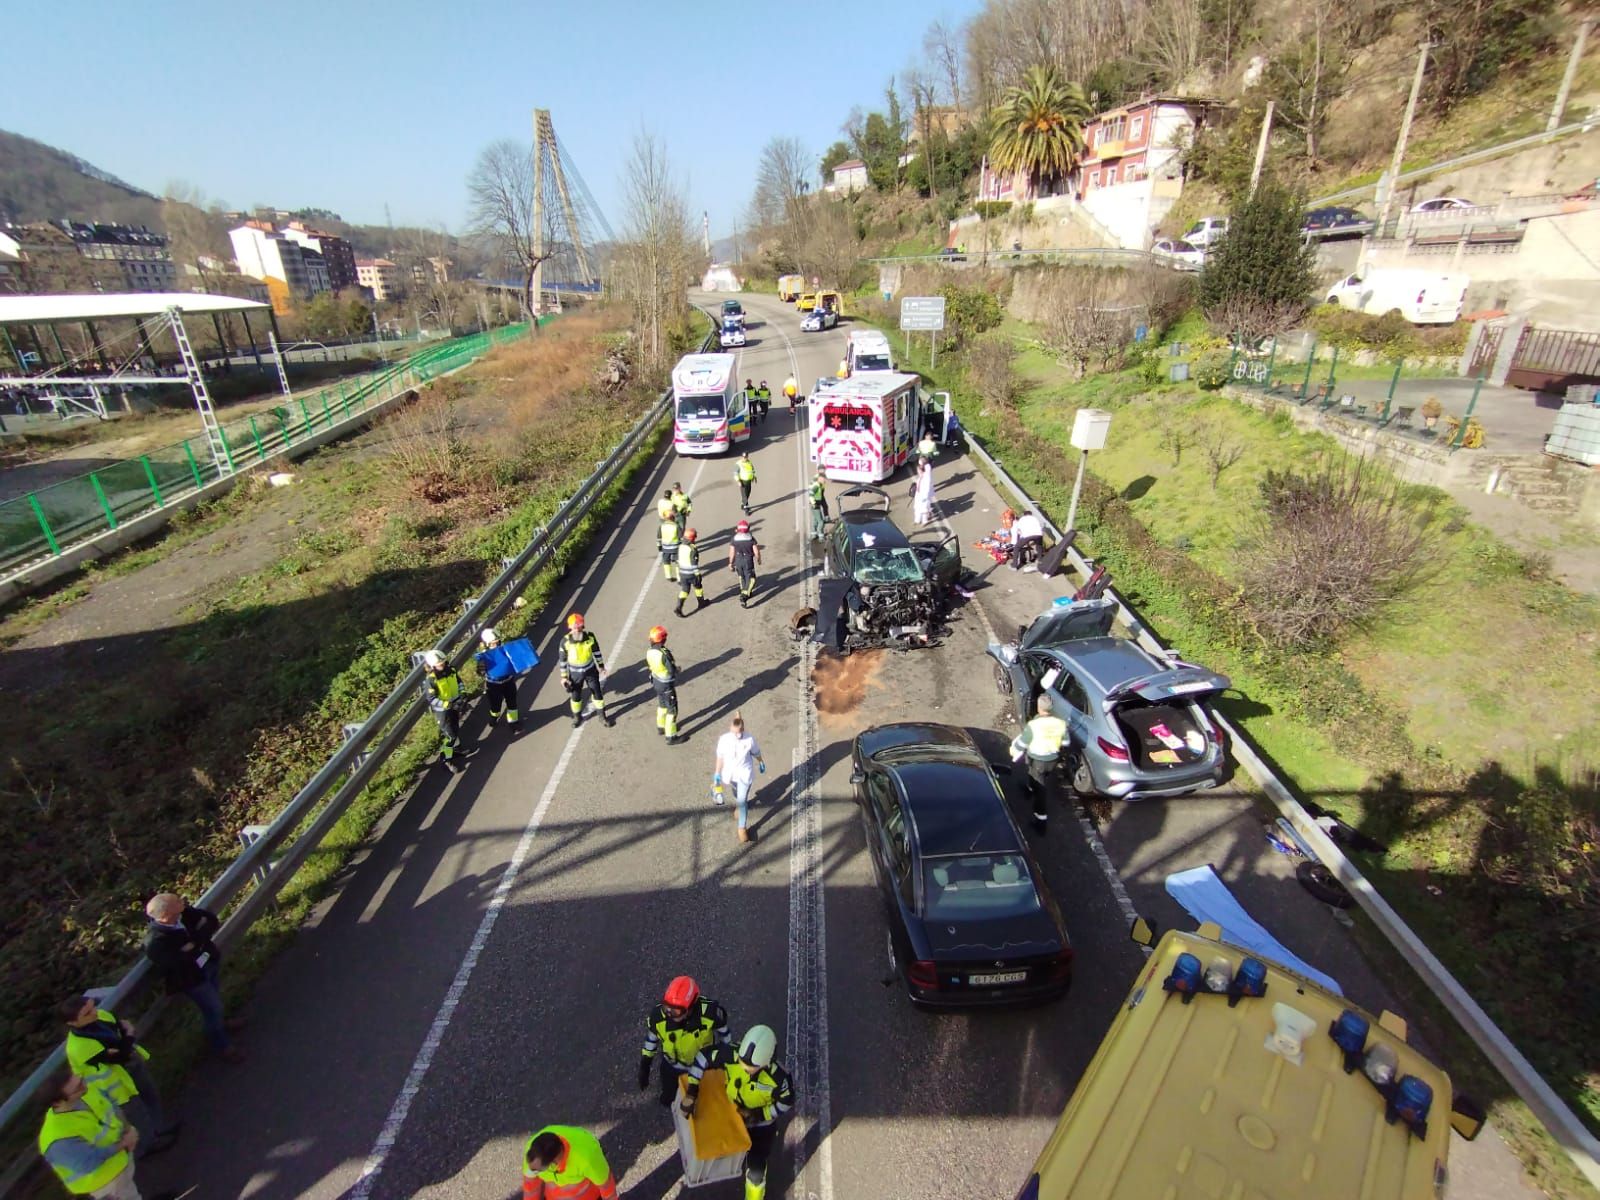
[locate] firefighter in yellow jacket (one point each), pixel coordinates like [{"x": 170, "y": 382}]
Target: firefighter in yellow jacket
[
  {"x": 689, "y": 572},
  {"x": 583, "y": 669},
  {"x": 667, "y": 543}
]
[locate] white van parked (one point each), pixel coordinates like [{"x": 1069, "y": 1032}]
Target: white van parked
[
  {"x": 867, "y": 350},
  {"x": 1206, "y": 232},
  {"x": 1423, "y": 297}
]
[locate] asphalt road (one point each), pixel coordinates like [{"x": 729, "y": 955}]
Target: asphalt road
[{"x": 487, "y": 963}]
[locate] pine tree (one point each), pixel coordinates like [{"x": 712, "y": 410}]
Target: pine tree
[{"x": 1259, "y": 277}]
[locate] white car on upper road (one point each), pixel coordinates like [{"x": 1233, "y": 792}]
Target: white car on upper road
[
  {"x": 1181, "y": 254},
  {"x": 1441, "y": 204},
  {"x": 1206, "y": 232}
]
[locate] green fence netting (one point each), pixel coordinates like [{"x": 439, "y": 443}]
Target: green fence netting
[{"x": 51, "y": 520}]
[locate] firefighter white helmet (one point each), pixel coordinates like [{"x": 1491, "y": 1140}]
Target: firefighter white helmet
[
  {"x": 432, "y": 659},
  {"x": 758, "y": 1046},
  {"x": 489, "y": 637}
]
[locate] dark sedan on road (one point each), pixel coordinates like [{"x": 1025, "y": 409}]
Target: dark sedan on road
[
  {"x": 970, "y": 920},
  {"x": 1335, "y": 217}
]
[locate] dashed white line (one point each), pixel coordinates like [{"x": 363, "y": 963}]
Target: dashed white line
[{"x": 389, "y": 1134}]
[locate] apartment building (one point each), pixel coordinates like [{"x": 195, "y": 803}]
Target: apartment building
[
  {"x": 141, "y": 259},
  {"x": 290, "y": 270},
  {"x": 338, "y": 255},
  {"x": 380, "y": 277}
]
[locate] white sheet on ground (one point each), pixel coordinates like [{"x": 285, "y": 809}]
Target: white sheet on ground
[{"x": 1206, "y": 898}]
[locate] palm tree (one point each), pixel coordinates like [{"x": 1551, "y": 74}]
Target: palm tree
[{"x": 1037, "y": 128}]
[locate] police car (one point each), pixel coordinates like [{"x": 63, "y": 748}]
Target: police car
[
  {"x": 732, "y": 333},
  {"x": 819, "y": 319}
]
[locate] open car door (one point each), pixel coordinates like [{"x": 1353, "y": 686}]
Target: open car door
[
  {"x": 1069, "y": 622},
  {"x": 940, "y": 558}
]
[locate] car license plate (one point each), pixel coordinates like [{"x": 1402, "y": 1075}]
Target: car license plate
[{"x": 997, "y": 977}]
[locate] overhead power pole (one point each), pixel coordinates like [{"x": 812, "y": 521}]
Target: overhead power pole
[
  {"x": 1261, "y": 146},
  {"x": 1558, "y": 110},
  {"x": 1405, "y": 134}
]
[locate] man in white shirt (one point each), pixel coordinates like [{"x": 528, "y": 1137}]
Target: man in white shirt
[
  {"x": 1027, "y": 540},
  {"x": 736, "y": 751}
]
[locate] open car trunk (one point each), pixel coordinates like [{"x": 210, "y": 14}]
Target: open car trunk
[{"x": 1161, "y": 736}]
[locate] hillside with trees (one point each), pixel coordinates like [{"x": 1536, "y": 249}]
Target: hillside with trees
[{"x": 40, "y": 183}]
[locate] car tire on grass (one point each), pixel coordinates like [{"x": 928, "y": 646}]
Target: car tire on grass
[{"x": 1323, "y": 884}]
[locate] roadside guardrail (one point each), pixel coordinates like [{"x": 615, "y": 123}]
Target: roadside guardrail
[
  {"x": 271, "y": 859},
  {"x": 998, "y": 257},
  {"x": 1564, "y": 1125}
]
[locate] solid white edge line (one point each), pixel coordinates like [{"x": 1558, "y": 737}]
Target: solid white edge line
[{"x": 395, "y": 1121}]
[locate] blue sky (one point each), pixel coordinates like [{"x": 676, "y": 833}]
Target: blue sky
[{"x": 350, "y": 105}]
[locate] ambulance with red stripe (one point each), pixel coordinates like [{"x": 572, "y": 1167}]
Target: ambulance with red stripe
[
  {"x": 710, "y": 412},
  {"x": 865, "y": 427}
]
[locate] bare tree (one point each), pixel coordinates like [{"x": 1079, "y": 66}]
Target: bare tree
[
  {"x": 1174, "y": 437},
  {"x": 1331, "y": 548},
  {"x": 652, "y": 264},
  {"x": 503, "y": 205},
  {"x": 432, "y": 296},
  {"x": 1221, "y": 448},
  {"x": 942, "y": 45},
  {"x": 1249, "y": 320},
  {"x": 1085, "y": 319},
  {"x": 198, "y": 237},
  {"x": 1174, "y": 40},
  {"x": 832, "y": 248},
  {"x": 991, "y": 368}
]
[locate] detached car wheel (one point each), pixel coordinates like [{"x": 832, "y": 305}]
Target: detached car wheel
[{"x": 1323, "y": 884}]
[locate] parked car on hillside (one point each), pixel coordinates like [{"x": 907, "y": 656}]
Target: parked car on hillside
[
  {"x": 1334, "y": 217},
  {"x": 1441, "y": 204},
  {"x": 951, "y": 254},
  {"x": 1136, "y": 723},
  {"x": 970, "y": 919},
  {"x": 1206, "y": 232},
  {"x": 1180, "y": 253}
]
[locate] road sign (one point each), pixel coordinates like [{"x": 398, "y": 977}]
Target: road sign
[{"x": 922, "y": 312}]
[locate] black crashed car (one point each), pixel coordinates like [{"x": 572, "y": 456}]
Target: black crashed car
[
  {"x": 1335, "y": 217},
  {"x": 971, "y": 921},
  {"x": 879, "y": 587}
]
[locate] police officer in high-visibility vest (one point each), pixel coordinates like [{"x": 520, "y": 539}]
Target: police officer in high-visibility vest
[
  {"x": 664, "y": 679},
  {"x": 86, "y": 1141},
  {"x": 583, "y": 669},
  {"x": 689, "y": 572},
  {"x": 442, "y": 686},
  {"x": 745, "y": 472},
  {"x": 1040, "y": 743},
  {"x": 667, "y": 544},
  {"x": 744, "y": 556},
  {"x": 817, "y": 495},
  {"x": 499, "y": 678},
  {"x": 763, "y": 400},
  {"x": 679, "y": 1028},
  {"x": 563, "y": 1162},
  {"x": 791, "y": 392},
  {"x": 666, "y": 510},
  {"x": 105, "y": 1054},
  {"x": 680, "y": 503},
  {"x": 761, "y": 1093}
]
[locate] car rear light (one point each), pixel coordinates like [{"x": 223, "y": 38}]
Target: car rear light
[
  {"x": 1061, "y": 965},
  {"x": 923, "y": 974},
  {"x": 1113, "y": 751},
  {"x": 1422, "y": 295}
]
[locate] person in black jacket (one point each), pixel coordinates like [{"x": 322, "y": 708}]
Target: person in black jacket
[{"x": 180, "y": 947}]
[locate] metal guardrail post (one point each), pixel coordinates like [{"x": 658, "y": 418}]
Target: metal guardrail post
[
  {"x": 261, "y": 451},
  {"x": 1461, "y": 433},
  {"x": 1311, "y": 361},
  {"x": 100, "y": 494},
  {"x": 227, "y": 449}
]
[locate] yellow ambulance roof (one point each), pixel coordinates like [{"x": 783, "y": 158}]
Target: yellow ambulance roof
[{"x": 1193, "y": 1100}]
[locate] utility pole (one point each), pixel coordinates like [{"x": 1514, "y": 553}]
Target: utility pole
[
  {"x": 1560, "y": 107},
  {"x": 1405, "y": 134},
  {"x": 1261, "y": 146},
  {"x": 705, "y": 233}
]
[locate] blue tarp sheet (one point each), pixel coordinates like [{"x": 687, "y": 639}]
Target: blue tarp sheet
[{"x": 1206, "y": 898}]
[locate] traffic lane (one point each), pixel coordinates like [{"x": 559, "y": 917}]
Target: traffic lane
[
  {"x": 393, "y": 936},
  {"x": 930, "y": 1104},
  {"x": 634, "y": 878}
]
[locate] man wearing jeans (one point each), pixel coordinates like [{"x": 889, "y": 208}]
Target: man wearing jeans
[
  {"x": 736, "y": 750},
  {"x": 180, "y": 947}
]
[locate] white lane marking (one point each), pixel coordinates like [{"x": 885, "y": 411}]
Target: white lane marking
[
  {"x": 1091, "y": 835},
  {"x": 395, "y": 1121},
  {"x": 807, "y": 1032}
]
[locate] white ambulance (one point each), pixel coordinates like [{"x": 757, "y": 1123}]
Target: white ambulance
[
  {"x": 867, "y": 350},
  {"x": 863, "y": 428},
  {"x": 709, "y": 410}
]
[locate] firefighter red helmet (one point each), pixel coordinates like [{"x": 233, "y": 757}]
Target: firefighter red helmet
[
  {"x": 742, "y": 527},
  {"x": 575, "y": 621},
  {"x": 658, "y": 634},
  {"x": 682, "y": 992},
  {"x": 689, "y": 535}
]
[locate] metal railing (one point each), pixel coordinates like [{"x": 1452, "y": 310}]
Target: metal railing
[
  {"x": 266, "y": 865},
  {"x": 1588, "y": 124},
  {"x": 50, "y": 521},
  {"x": 1563, "y": 1124},
  {"x": 1096, "y": 256}
]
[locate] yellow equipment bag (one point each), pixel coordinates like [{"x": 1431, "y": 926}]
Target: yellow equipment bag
[{"x": 717, "y": 1130}]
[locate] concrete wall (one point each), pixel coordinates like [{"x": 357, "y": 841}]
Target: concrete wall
[
  {"x": 1561, "y": 166},
  {"x": 1124, "y": 209}
]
